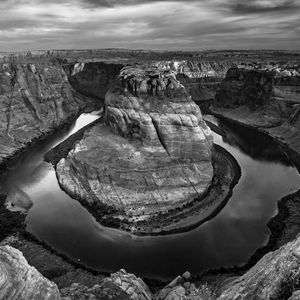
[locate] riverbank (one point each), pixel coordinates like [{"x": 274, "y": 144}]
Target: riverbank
[{"x": 284, "y": 226}]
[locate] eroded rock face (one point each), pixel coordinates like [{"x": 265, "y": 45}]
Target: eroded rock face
[
  {"x": 263, "y": 99},
  {"x": 18, "y": 280},
  {"x": 275, "y": 276},
  {"x": 34, "y": 100},
  {"x": 201, "y": 79},
  {"x": 119, "y": 286},
  {"x": 151, "y": 154}
]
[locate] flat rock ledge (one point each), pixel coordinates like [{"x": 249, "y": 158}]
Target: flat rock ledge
[{"x": 144, "y": 166}]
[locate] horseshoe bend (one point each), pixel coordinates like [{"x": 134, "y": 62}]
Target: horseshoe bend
[
  {"x": 108, "y": 164},
  {"x": 149, "y": 165}
]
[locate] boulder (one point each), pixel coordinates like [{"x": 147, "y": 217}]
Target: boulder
[{"x": 18, "y": 280}]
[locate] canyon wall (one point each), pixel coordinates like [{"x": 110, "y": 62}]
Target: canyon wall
[
  {"x": 34, "y": 101},
  {"x": 200, "y": 78},
  {"x": 92, "y": 78},
  {"x": 265, "y": 99}
]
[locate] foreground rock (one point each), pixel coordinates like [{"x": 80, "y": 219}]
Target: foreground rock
[
  {"x": 275, "y": 276},
  {"x": 119, "y": 286},
  {"x": 152, "y": 153},
  {"x": 18, "y": 280}
]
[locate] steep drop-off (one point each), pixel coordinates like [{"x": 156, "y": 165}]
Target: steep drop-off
[
  {"x": 263, "y": 99},
  {"x": 35, "y": 100},
  {"x": 92, "y": 79}
]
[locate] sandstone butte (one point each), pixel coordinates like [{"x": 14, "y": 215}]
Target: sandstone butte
[{"x": 151, "y": 153}]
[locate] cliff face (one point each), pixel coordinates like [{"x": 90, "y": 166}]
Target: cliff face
[
  {"x": 269, "y": 100},
  {"x": 92, "y": 79},
  {"x": 152, "y": 153},
  {"x": 34, "y": 100},
  {"x": 201, "y": 79}
]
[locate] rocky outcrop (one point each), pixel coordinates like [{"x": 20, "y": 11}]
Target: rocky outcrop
[
  {"x": 182, "y": 288},
  {"x": 34, "y": 100},
  {"x": 275, "y": 276},
  {"x": 18, "y": 280},
  {"x": 132, "y": 285},
  {"x": 151, "y": 155}
]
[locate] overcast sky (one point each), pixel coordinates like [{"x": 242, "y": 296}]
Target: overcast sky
[{"x": 156, "y": 24}]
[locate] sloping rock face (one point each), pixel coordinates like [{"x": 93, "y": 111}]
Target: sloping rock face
[
  {"x": 152, "y": 154},
  {"x": 18, "y": 280},
  {"x": 267, "y": 100},
  {"x": 275, "y": 276},
  {"x": 34, "y": 100}
]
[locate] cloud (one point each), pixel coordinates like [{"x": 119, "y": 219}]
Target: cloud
[
  {"x": 156, "y": 24},
  {"x": 258, "y": 6}
]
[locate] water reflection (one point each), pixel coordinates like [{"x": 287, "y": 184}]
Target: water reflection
[
  {"x": 255, "y": 144},
  {"x": 228, "y": 239}
]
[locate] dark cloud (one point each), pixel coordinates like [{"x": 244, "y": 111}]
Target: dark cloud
[
  {"x": 263, "y": 6},
  {"x": 114, "y": 3}
]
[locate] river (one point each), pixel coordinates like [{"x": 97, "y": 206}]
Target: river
[{"x": 226, "y": 240}]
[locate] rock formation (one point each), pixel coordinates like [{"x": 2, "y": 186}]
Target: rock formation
[
  {"x": 275, "y": 276},
  {"x": 18, "y": 280},
  {"x": 132, "y": 285},
  {"x": 151, "y": 154},
  {"x": 265, "y": 99},
  {"x": 34, "y": 100}
]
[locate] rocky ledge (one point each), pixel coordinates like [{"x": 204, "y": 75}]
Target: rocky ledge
[
  {"x": 275, "y": 276},
  {"x": 151, "y": 155}
]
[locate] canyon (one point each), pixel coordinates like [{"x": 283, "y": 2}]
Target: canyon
[{"x": 148, "y": 113}]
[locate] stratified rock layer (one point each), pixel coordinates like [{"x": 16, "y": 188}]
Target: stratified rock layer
[
  {"x": 263, "y": 99},
  {"x": 275, "y": 276},
  {"x": 152, "y": 154},
  {"x": 34, "y": 101},
  {"x": 18, "y": 280}
]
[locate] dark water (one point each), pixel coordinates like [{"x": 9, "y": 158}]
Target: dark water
[{"x": 228, "y": 239}]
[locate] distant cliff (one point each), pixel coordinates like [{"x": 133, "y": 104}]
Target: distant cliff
[{"x": 268, "y": 99}]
